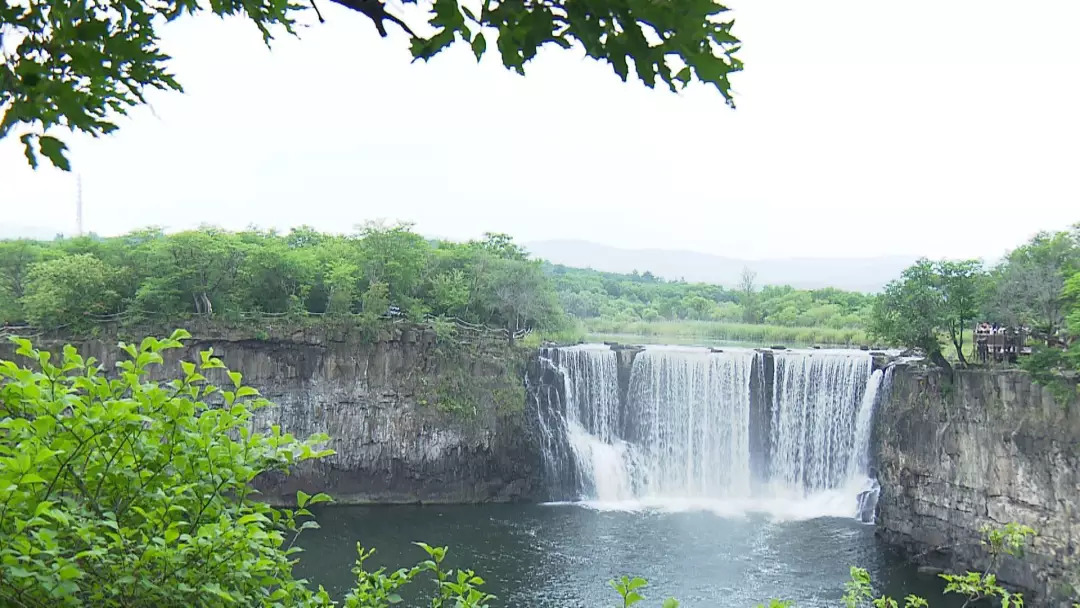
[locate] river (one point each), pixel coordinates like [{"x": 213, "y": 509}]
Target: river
[{"x": 561, "y": 556}]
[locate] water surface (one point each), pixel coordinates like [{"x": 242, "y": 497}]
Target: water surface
[{"x": 561, "y": 556}]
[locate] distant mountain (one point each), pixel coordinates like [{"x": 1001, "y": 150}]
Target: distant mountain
[{"x": 856, "y": 274}]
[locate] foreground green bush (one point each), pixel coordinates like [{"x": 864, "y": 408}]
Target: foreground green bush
[{"x": 122, "y": 491}]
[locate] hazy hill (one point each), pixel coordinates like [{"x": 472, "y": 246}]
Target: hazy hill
[{"x": 859, "y": 274}]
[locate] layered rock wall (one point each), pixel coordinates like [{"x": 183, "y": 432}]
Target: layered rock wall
[
  {"x": 410, "y": 421},
  {"x": 987, "y": 449}
]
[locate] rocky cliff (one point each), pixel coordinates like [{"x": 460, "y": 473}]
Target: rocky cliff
[
  {"x": 986, "y": 449},
  {"x": 411, "y": 420}
]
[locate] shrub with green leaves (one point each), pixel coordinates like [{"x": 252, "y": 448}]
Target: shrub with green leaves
[
  {"x": 116, "y": 490},
  {"x": 121, "y": 491}
]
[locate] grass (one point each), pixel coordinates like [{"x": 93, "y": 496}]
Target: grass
[{"x": 714, "y": 331}]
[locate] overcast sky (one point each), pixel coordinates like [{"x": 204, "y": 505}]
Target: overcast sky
[{"x": 945, "y": 128}]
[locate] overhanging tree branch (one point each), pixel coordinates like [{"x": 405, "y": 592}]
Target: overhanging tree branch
[{"x": 376, "y": 11}]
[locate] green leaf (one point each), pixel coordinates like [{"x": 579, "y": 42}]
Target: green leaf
[
  {"x": 33, "y": 478},
  {"x": 320, "y": 497},
  {"x": 236, "y": 378},
  {"x": 246, "y": 391},
  {"x": 54, "y": 149},
  {"x": 28, "y": 150},
  {"x": 69, "y": 571},
  {"x": 302, "y": 498},
  {"x": 479, "y": 45}
]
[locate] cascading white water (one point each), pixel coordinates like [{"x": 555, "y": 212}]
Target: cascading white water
[
  {"x": 685, "y": 428},
  {"x": 859, "y": 460},
  {"x": 691, "y": 413},
  {"x": 814, "y": 406},
  {"x": 592, "y": 419}
]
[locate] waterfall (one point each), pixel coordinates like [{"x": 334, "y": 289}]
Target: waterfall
[
  {"x": 815, "y": 400},
  {"x": 781, "y": 432},
  {"x": 689, "y": 423}
]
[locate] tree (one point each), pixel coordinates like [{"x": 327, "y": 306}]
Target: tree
[
  {"x": 16, "y": 257},
  {"x": 394, "y": 255},
  {"x": 930, "y": 299},
  {"x": 62, "y": 292},
  {"x": 748, "y": 295},
  {"x": 518, "y": 296},
  {"x": 196, "y": 269},
  {"x": 959, "y": 285},
  {"x": 502, "y": 246},
  {"x": 1027, "y": 287},
  {"x": 341, "y": 281},
  {"x": 72, "y": 67},
  {"x": 1054, "y": 366}
]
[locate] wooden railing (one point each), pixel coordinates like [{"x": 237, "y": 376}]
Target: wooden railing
[{"x": 257, "y": 316}]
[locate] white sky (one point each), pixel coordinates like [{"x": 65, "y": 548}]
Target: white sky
[{"x": 936, "y": 127}]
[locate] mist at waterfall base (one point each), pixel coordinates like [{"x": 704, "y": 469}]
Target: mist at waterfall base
[{"x": 724, "y": 478}]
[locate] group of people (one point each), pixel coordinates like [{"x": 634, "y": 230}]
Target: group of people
[{"x": 1000, "y": 342}]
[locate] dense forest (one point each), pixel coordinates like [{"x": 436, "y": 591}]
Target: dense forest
[{"x": 379, "y": 271}]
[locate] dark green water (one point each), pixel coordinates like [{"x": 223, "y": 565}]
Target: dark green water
[{"x": 561, "y": 556}]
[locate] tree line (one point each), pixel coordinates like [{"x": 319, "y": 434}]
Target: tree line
[
  {"x": 376, "y": 271},
  {"x": 1036, "y": 286},
  {"x": 645, "y": 297}
]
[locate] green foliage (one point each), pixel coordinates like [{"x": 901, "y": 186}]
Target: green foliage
[
  {"x": 627, "y": 588},
  {"x": 457, "y": 589},
  {"x": 1028, "y": 287},
  {"x": 63, "y": 291},
  {"x": 125, "y": 491},
  {"x": 929, "y": 300},
  {"x": 16, "y": 258},
  {"x": 1010, "y": 539},
  {"x": 376, "y": 298},
  {"x": 78, "y": 68},
  {"x": 212, "y": 272},
  {"x": 631, "y": 298},
  {"x": 974, "y": 586},
  {"x": 1039, "y": 285}
]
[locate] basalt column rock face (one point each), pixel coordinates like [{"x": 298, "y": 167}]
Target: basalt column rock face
[
  {"x": 989, "y": 448},
  {"x": 410, "y": 419}
]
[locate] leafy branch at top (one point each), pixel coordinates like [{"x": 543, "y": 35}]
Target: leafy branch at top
[{"x": 69, "y": 64}]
